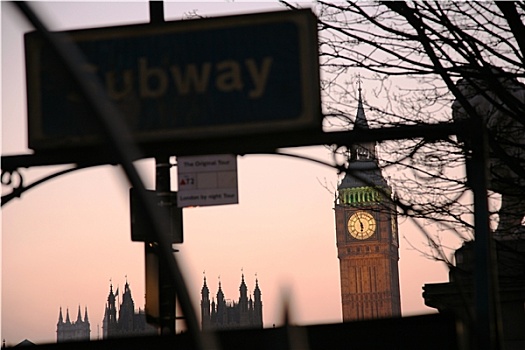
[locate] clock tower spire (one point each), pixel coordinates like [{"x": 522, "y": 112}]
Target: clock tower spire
[
  {"x": 366, "y": 234},
  {"x": 366, "y": 150}
]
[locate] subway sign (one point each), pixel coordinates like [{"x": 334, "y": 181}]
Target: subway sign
[{"x": 191, "y": 79}]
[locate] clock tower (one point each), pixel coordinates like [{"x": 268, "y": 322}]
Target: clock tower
[{"x": 367, "y": 239}]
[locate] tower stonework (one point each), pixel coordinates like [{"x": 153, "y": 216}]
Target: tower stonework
[{"x": 367, "y": 237}]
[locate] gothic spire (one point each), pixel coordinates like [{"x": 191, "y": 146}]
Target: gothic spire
[
  {"x": 205, "y": 292},
  {"x": 366, "y": 150},
  {"x": 220, "y": 294},
  {"x": 257, "y": 291},
  {"x": 243, "y": 286},
  {"x": 220, "y": 289},
  {"x": 60, "y": 318},
  {"x": 126, "y": 286},
  {"x": 67, "y": 316},
  {"x": 257, "y": 305},
  {"x": 79, "y": 316},
  {"x": 243, "y": 295},
  {"x": 360, "y": 118},
  {"x": 111, "y": 296},
  {"x": 86, "y": 316}
]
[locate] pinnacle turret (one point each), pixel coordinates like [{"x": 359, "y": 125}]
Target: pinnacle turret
[
  {"x": 243, "y": 288},
  {"x": 257, "y": 291},
  {"x": 68, "y": 321},
  {"x": 79, "y": 316},
  {"x": 220, "y": 294},
  {"x": 205, "y": 292},
  {"x": 60, "y": 318}
]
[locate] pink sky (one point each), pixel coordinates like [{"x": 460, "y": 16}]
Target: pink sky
[{"x": 63, "y": 241}]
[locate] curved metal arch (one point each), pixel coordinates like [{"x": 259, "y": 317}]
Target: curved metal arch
[{"x": 7, "y": 179}]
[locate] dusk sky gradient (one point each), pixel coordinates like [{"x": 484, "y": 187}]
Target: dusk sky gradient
[{"x": 64, "y": 240}]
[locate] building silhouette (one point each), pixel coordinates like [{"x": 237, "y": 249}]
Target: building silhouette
[
  {"x": 457, "y": 296},
  {"x": 367, "y": 238},
  {"x": 224, "y": 314},
  {"x": 73, "y": 331},
  {"x": 127, "y": 322}
]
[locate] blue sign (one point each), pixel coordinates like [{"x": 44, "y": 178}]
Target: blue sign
[{"x": 193, "y": 79}]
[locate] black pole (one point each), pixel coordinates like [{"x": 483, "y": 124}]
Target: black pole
[
  {"x": 487, "y": 328},
  {"x": 167, "y": 304},
  {"x": 156, "y": 11}
]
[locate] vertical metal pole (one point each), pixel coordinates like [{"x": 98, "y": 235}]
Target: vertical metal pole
[
  {"x": 156, "y": 11},
  {"x": 167, "y": 304},
  {"x": 167, "y": 296},
  {"x": 487, "y": 329}
]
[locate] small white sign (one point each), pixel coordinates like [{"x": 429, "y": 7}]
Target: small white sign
[{"x": 207, "y": 180}]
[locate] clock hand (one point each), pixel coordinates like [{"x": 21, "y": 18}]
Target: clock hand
[{"x": 360, "y": 223}]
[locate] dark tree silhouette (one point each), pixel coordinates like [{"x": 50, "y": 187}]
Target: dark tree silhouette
[{"x": 431, "y": 62}]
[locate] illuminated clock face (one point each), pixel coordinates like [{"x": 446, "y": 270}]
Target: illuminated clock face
[{"x": 361, "y": 225}]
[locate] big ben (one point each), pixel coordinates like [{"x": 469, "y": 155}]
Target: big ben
[{"x": 367, "y": 239}]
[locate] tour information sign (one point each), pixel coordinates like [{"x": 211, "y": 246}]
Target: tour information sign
[{"x": 207, "y": 180}]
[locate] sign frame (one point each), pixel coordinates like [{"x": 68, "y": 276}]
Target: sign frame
[{"x": 308, "y": 119}]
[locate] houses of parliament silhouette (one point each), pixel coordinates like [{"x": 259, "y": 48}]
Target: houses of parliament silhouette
[
  {"x": 127, "y": 322},
  {"x": 71, "y": 331},
  {"x": 216, "y": 315},
  {"x": 223, "y": 314}
]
